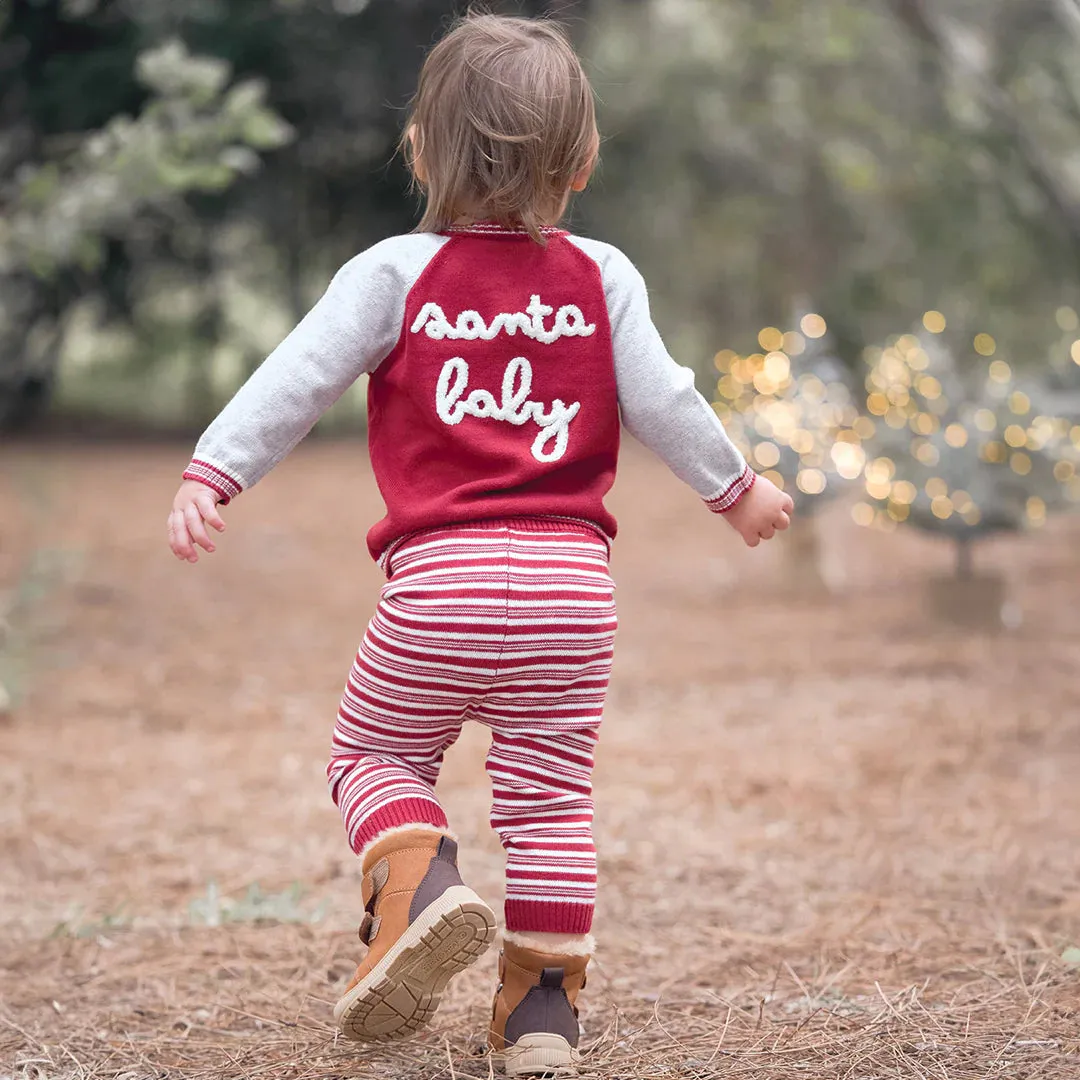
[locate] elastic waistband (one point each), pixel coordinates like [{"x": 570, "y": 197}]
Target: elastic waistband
[
  {"x": 549, "y": 525},
  {"x": 540, "y": 525}
]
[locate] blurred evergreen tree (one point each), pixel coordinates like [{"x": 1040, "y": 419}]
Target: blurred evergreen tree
[{"x": 961, "y": 451}]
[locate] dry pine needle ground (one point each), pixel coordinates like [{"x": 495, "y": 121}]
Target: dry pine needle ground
[{"x": 837, "y": 839}]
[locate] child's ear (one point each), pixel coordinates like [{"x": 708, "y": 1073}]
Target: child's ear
[
  {"x": 582, "y": 178},
  {"x": 416, "y": 143}
]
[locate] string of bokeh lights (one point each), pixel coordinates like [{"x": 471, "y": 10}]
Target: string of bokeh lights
[{"x": 803, "y": 432}]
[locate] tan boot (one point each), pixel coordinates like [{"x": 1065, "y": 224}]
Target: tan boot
[
  {"x": 422, "y": 926},
  {"x": 534, "y": 1024}
]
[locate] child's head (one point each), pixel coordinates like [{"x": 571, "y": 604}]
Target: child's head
[{"x": 503, "y": 125}]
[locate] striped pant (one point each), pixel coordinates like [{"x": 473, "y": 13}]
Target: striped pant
[{"x": 512, "y": 624}]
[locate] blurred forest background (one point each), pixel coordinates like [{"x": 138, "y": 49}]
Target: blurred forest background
[
  {"x": 860, "y": 222},
  {"x": 179, "y": 180}
]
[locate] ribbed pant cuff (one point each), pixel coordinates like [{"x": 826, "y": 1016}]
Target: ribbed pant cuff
[
  {"x": 523, "y": 916},
  {"x": 394, "y": 815}
]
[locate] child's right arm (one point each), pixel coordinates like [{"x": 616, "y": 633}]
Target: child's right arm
[
  {"x": 348, "y": 332},
  {"x": 662, "y": 409}
]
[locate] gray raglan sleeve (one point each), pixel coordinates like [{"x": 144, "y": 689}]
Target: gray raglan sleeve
[
  {"x": 350, "y": 331},
  {"x": 659, "y": 404}
]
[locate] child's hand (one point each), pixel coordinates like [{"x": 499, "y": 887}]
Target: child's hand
[
  {"x": 762, "y": 511},
  {"x": 195, "y": 507}
]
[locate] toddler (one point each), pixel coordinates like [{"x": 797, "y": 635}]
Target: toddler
[{"x": 503, "y": 353}]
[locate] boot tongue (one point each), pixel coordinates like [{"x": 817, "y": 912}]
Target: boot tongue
[{"x": 552, "y": 977}]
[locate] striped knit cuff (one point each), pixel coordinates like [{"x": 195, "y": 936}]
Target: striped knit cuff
[
  {"x": 411, "y": 811},
  {"x": 228, "y": 487},
  {"x": 543, "y": 917},
  {"x": 731, "y": 496}
]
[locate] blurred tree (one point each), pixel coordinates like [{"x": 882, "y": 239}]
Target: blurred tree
[
  {"x": 201, "y": 225},
  {"x": 62, "y": 214},
  {"x": 791, "y": 410},
  {"x": 884, "y": 157},
  {"x": 959, "y": 453}
]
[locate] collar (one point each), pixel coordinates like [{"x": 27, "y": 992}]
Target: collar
[{"x": 493, "y": 228}]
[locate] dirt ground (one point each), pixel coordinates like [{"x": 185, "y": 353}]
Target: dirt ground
[{"x": 837, "y": 838}]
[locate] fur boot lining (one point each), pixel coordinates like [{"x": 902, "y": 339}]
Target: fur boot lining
[
  {"x": 553, "y": 944},
  {"x": 423, "y": 827}
]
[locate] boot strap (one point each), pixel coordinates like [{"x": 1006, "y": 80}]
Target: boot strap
[
  {"x": 369, "y": 927},
  {"x": 369, "y": 924}
]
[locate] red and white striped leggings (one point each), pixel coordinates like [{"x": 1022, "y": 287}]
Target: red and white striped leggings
[{"x": 511, "y": 623}]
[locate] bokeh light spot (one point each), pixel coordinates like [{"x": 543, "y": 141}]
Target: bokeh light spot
[
  {"x": 1020, "y": 464},
  {"x": 1000, "y": 371},
  {"x": 927, "y": 453},
  {"x": 794, "y": 343},
  {"x": 918, "y": 359},
  {"x": 771, "y": 339},
  {"x": 904, "y": 492},
  {"x": 729, "y": 387},
  {"x": 777, "y": 367},
  {"x": 1016, "y": 436},
  {"x": 956, "y": 436},
  {"x": 1019, "y": 403},
  {"x": 985, "y": 345},
  {"x": 1067, "y": 318},
  {"x": 849, "y": 459},
  {"x": 813, "y": 326},
  {"x": 929, "y": 387},
  {"x": 863, "y": 514},
  {"x": 934, "y": 321},
  {"x": 878, "y": 404},
  {"x": 767, "y": 454},
  {"x": 941, "y": 507},
  {"x": 811, "y": 481}
]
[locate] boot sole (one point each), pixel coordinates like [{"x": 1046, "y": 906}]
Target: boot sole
[
  {"x": 401, "y": 993},
  {"x": 540, "y": 1053}
]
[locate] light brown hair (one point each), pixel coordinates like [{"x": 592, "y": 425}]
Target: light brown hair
[{"x": 502, "y": 121}]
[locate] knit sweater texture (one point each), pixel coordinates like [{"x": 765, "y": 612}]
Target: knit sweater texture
[{"x": 499, "y": 371}]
